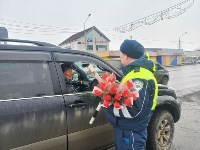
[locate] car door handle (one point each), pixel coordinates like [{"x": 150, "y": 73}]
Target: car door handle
[{"x": 77, "y": 105}]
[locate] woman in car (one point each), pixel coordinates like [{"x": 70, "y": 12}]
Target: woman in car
[{"x": 68, "y": 74}]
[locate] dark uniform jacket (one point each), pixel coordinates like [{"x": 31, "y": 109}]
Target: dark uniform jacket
[
  {"x": 70, "y": 87},
  {"x": 137, "y": 117}
]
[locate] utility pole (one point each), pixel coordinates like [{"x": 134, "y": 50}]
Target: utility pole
[
  {"x": 179, "y": 40},
  {"x": 85, "y": 45}
]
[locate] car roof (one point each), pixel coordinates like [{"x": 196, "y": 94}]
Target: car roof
[
  {"x": 37, "y": 46},
  {"x": 44, "y": 47}
]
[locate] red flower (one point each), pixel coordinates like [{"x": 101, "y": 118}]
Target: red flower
[
  {"x": 105, "y": 75},
  {"x": 118, "y": 96},
  {"x": 111, "y": 78},
  {"x": 117, "y": 105},
  {"x": 102, "y": 85},
  {"x": 130, "y": 84},
  {"x": 134, "y": 94},
  {"x": 128, "y": 101},
  {"x": 112, "y": 92},
  {"x": 106, "y": 104},
  {"x": 114, "y": 88},
  {"x": 125, "y": 92},
  {"x": 97, "y": 91},
  {"x": 106, "y": 97}
]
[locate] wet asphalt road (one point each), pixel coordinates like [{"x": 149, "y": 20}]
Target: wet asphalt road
[{"x": 186, "y": 81}]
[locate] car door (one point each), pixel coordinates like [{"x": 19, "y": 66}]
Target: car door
[
  {"x": 32, "y": 110},
  {"x": 80, "y": 107}
]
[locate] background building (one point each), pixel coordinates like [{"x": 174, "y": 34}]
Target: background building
[
  {"x": 93, "y": 40},
  {"x": 192, "y": 53},
  {"x": 90, "y": 39},
  {"x": 191, "y": 56},
  {"x": 166, "y": 57}
]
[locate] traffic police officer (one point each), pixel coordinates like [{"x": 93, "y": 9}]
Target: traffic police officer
[{"x": 130, "y": 123}]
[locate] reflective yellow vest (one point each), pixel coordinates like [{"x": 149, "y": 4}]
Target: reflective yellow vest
[{"x": 146, "y": 75}]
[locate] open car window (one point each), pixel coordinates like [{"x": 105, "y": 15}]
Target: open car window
[
  {"x": 83, "y": 66},
  {"x": 82, "y": 80}
]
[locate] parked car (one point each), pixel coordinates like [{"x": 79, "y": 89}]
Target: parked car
[
  {"x": 161, "y": 74},
  {"x": 190, "y": 59},
  {"x": 37, "y": 113}
]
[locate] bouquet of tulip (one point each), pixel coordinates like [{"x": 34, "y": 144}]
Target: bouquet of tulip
[{"x": 113, "y": 92}]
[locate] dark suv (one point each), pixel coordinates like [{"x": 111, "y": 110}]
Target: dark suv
[{"x": 36, "y": 112}]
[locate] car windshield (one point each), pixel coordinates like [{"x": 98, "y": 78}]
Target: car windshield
[
  {"x": 116, "y": 63},
  {"x": 83, "y": 66}
]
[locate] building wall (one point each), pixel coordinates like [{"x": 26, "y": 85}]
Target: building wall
[
  {"x": 171, "y": 60},
  {"x": 192, "y": 53},
  {"x": 153, "y": 58},
  {"x": 166, "y": 57},
  {"x": 74, "y": 45},
  {"x": 180, "y": 59},
  {"x": 94, "y": 42}
]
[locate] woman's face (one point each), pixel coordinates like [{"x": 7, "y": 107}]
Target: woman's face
[{"x": 68, "y": 73}]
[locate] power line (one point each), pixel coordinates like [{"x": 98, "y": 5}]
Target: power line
[
  {"x": 37, "y": 26},
  {"x": 112, "y": 36},
  {"x": 33, "y": 29},
  {"x": 42, "y": 28},
  {"x": 168, "y": 13}
]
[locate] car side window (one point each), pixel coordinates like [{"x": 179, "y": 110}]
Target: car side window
[
  {"x": 83, "y": 66},
  {"x": 159, "y": 67},
  {"x": 23, "y": 80},
  {"x": 81, "y": 79}
]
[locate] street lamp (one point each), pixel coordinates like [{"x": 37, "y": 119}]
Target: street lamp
[
  {"x": 84, "y": 29},
  {"x": 179, "y": 40}
]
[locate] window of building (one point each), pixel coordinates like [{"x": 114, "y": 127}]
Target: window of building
[
  {"x": 89, "y": 47},
  {"x": 79, "y": 42},
  {"x": 22, "y": 80},
  {"x": 101, "y": 47}
]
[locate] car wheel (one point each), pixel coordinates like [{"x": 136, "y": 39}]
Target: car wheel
[
  {"x": 160, "y": 131},
  {"x": 164, "y": 80}
]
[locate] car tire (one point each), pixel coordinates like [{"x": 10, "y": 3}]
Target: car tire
[
  {"x": 160, "y": 131},
  {"x": 164, "y": 80}
]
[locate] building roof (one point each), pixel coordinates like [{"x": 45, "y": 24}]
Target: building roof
[{"x": 79, "y": 34}]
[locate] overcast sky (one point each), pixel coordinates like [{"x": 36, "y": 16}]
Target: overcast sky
[{"x": 54, "y": 21}]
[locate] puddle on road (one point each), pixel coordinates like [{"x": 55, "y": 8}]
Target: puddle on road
[{"x": 189, "y": 95}]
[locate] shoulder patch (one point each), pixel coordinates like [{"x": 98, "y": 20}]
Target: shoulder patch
[{"x": 138, "y": 85}]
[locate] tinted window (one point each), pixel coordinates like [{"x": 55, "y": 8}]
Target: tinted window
[
  {"x": 19, "y": 80},
  {"x": 116, "y": 63},
  {"x": 159, "y": 67}
]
